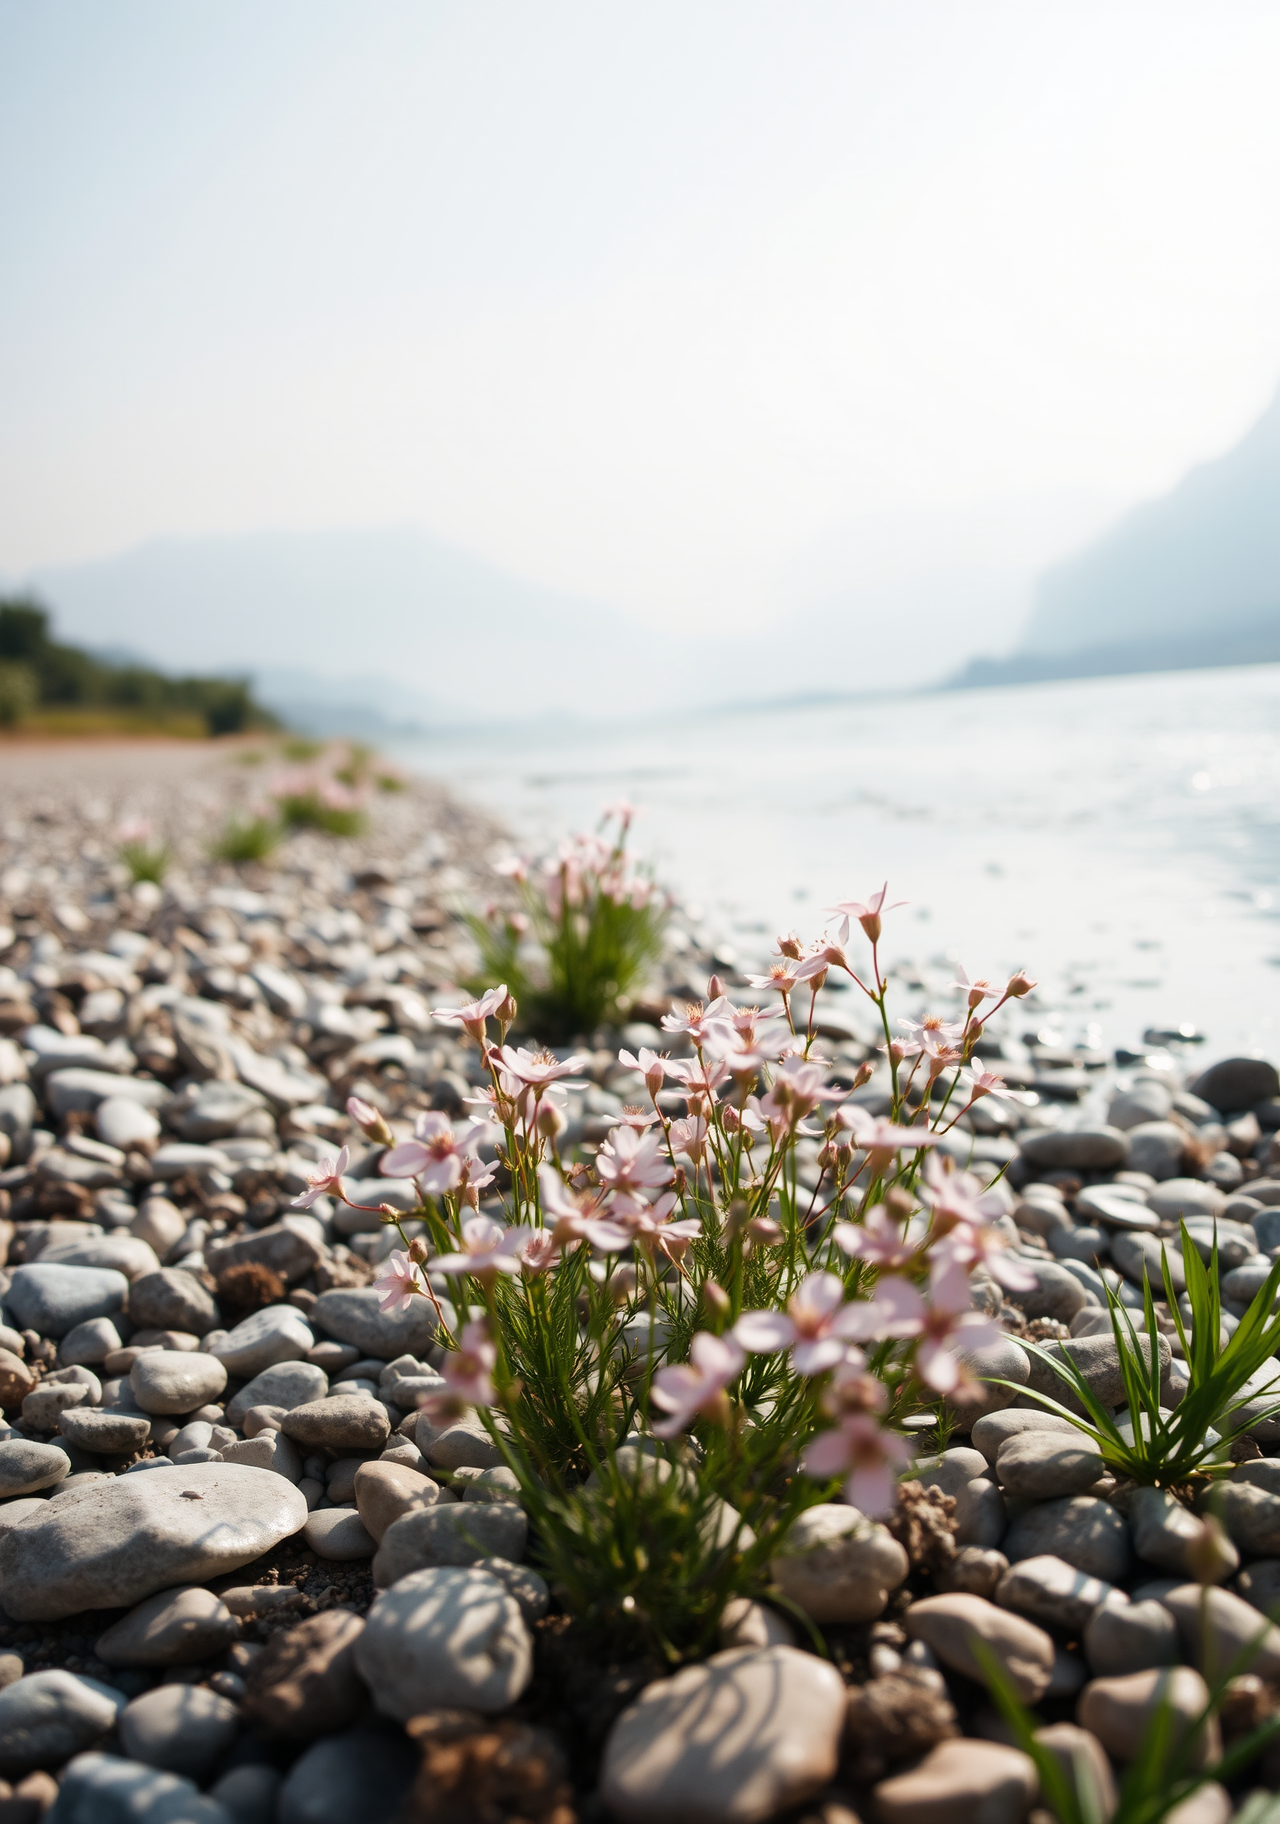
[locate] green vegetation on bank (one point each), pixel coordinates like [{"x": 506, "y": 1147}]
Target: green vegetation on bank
[{"x": 52, "y": 689}]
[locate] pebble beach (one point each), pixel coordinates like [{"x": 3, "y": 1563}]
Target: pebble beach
[{"x": 245, "y": 1580}]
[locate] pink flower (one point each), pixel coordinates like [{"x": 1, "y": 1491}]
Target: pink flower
[
  {"x": 698, "y": 1020},
  {"x": 781, "y": 977},
  {"x": 699, "y": 1079},
  {"x": 468, "y": 1368},
  {"x": 868, "y": 915},
  {"x": 514, "y": 867},
  {"x": 367, "y": 1118},
  {"x": 398, "y": 1283},
  {"x": 975, "y": 992},
  {"x": 876, "y": 1239},
  {"x": 880, "y": 1139},
  {"x": 812, "y": 1326},
  {"x": 538, "y": 1068},
  {"x": 630, "y": 1161},
  {"x": 651, "y": 1066},
  {"x": 688, "y": 1138},
  {"x": 135, "y": 829},
  {"x": 824, "y": 955},
  {"x": 435, "y": 1157},
  {"x": 579, "y": 1218},
  {"x": 473, "y": 1014},
  {"x": 649, "y": 1225},
  {"x": 984, "y": 1083},
  {"x": 326, "y": 1178},
  {"x": 539, "y": 1253},
  {"x": 932, "y": 1035},
  {"x": 487, "y": 1249},
  {"x": 871, "y": 1456},
  {"x": 944, "y": 1322},
  {"x": 687, "y": 1389}
]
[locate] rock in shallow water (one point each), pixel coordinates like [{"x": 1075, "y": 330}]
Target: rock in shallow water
[
  {"x": 121, "y": 1539},
  {"x": 732, "y": 1741}
]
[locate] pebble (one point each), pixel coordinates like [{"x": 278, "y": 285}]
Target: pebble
[
  {"x": 993, "y": 1364},
  {"x": 174, "y": 1628},
  {"x": 277, "y": 1333},
  {"x": 123, "y": 1121},
  {"x": 341, "y": 1422},
  {"x": 352, "y": 1315},
  {"x": 1039, "y": 1466},
  {"x": 338, "y": 1534},
  {"x": 1111, "y": 1206},
  {"x": 249, "y": 1795},
  {"x": 839, "y": 1566},
  {"x": 304, "y": 1683},
  {"x": 1157, "y": 1148},
  {"x": 1085, "y": 1531},
  {"x": 385, "y": 1492},
  {"x": 1083, "y": 1760},
  {"x": 462, "y": 1445},
  {"x": 121, "y": 1253},
  {"x": 950, "y": 1471},
  {"x": 1098, "y": 1360},
  {"x": 1166, "y": 1534},
  {"x": 177, "y": 1727},
  {"x": 1235, "y": 1084},
  {"x": 90, "y": 1343},
  {"x": 172, "y": 1299},
  {"x": 267, "y": 1450},
  {"x": 1222, "y": 1634},
  {"x": 980, "y": 1515},
  {"x": 449, "y": 1635},
  {"x": 974, "y": 1571},
  {"x": 172, "y": 1380},
  {"x": 287, "y": 1384},
  {"x": 1091, "y": 1149},
  {"x": 1177, "y": 1199},
  {"x": 1250, "y": 1515},
  {"x": 1118, "y": 1710},
  {"x": 47, "y": 1717},
  {"x": 1140, "y": 1103},
  {"x": 739, "y": 1738},
  {"x": 960, "y": 1782},
  {"x": 449, "y": 1534},
  {"x": 1053, "y": 1592},
  {"x": 26, "y": 1465},
  {"x": 503, "y": 1484},
  {"x": 104, "y": 1789},
  {"x": 115, "y": 1541},
  {"x": 1259, "y": 1585},
  {"x": 364, "y": 1773},
  {"x": 105, "y": 1434},
  {"x": 1057, "y": 1293},
  {"x": 949, "y": 1624},
  {"x": 54, "y": 1299},
  {"x": 283, "y": 1247},
  {"x": 996, "y": 1428},
  {"x": 1122, "y": 1636}
]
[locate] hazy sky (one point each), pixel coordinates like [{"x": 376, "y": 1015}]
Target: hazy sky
[{"x": 662, "y": 304}]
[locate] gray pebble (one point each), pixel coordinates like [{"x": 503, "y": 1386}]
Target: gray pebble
[
  {"x": 1122, "y": 1636},
  {"x": 1088, "y": 1533},
  {"x": 47, "y": 1717},
  {"x": 450, "y": 1534},
  {"x": 178, "y": 1727}
]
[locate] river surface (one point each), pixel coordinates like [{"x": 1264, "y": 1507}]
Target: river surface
[{"x": 1119, "y": 837}]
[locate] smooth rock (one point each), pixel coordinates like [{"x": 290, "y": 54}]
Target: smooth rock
[
  {"x": 175, "y": 1380},
  {"x": 980, "y": 1514},
  {"x": 26, "y": 1465},
  {"x": 159, "y": 1223},
  {"x": 277, "y": 1333},
  {"x": 338, "y": 1534},
  {"x": 463, "y": 1445},
  {"x": 174, "y": 1628},
  {"x": 124, "y": 1122},
  {"x": 960, "y": 1782},
  {"x": 119, "y": 1253},
  {"x": 974, "y": 1571},
  {"x": 268, "y": 1450},
  {"x": 287, "y": 1384},
  {"x": 991, "y": 1432},
  {"x": 1084, "y": 1761},
  {"x": 385, "y": 1492},
  {"x": 449, "y": 1635},
  {"x": 838, "y": 1565},
  {"x": 1259, "y": 1584},
  {"x": 1250, "y": 1515},
  {"x": 282, "y": 1248},
  {"x": 104, "y": 1789},
  {"x": 1166, "y": 1534},
  {"x": 1041, "y": 1465},
  {"x": 1223, "y": 1634},
  {"x": 47, "y": 1717},
  {"x": 1235, "y": 1084},
  {"x": 993, "y": 1364},
  {"x": 950, "y": 1471},
  {"x": 449, "y": 1534},
  {"x": 115, "y": 1541},
  {"x": 172, "y": 1299},
  {"x": 1057, "y": 1294},
  {"x": 1051, "y": 1591},
  {"x": 1100, "y": 1149},
  {"x": 304, "y": 1683},
  {"x": 1119, "y": 1710},
  {"x": 90, "y": 1343},
  {"x": 1140, "y": 1103},
  {"x": 364, "y": 1773},
  {"x": 1108, "y": 1205},
  {"x": 735, "y": 1740},
  {"x": 1088, "y": 1533},
  {"x": 249, "y": 1795},
  {"x": 105, "y": 1434},
  {"x": 352, "y": 1315},
  {"x": 1183, "y": 1199},
  {"x": 54, "y": 1299},
  {"x": 178, "y": 1727},
  {"x": 533, "y": 1595},
  {"x": 1122, "y": 1636},
  {"x": 948, "y": 1625},
  {"x": 1098, "y": 1360},
  {"x": 341, "y": 1422}
]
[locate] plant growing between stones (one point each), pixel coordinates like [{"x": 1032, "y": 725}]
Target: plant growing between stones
[
  {"x": 145, "y": 858},
  {"x": 247, "y": 839}
]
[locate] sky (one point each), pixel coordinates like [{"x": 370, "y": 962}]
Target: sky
[{"x": 714, "y": 313}]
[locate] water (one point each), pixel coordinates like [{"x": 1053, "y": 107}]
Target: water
[{"x": 1119, "y": 837}]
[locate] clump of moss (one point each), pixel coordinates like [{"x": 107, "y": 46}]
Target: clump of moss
[{"x": 246, "y": 1288}]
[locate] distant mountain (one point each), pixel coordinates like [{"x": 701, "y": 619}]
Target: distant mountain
[{"x": 1188, "y": 580}]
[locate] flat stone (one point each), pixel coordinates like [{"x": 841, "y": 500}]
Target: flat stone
[
  {"x": 47, "y": 1717},
  {"x": 449, "y": 1635},
  {"x": 42, "y": 1408},
  {"x": 948, "y": 1625},
  {"x": 304, "y": 1683},
  {"x": 1235, "y": 1084},
  {"x": 351, "y": 1315},
  {"x": 1119, "y": 1710},
  {"x": 172, "y": 1299},
  {"x": 735, "y": 1740},
  {"x": 980, "y": 1514},
  {"x": 1222, "y": 1632},
  {"x": 1179, "y": 1199},
  {"x": 1098, "y": 1360},
  {"x": 1084, "y": 1761},
  {"x": 838, "y": 1565},
  {"x": 179, "y": 1726},
  {"x": 26, "y": 1466},
  {"x": 449, "y": 1533},
  {"x": 54, "y": 1299},
  {"x": 1122, "y": 1636},
  {"x": 1088, "y": 1533},
  {"x": 992, "y": 1431},
  {"x": 463, "y": 1445},
  {"x": 268, "y": 1450},
  {"x": 341, "y": 1422},
  {"x": 116, "y": 1541},
  {"x": 364, "y": 1773},
  {"x": 1242, "y": 1284},
  {"x": 1057, "y": 1294},
  {"x": 119, "y": 1253},
  {"x": 124, "y": 1122},
  {"x": 1040, "y": 1465},
  {"x": 282, "y": 1248},
  {"x": 287, "y": 1384},
  {"x": 215, "y": 1110},
  {"x": 1049, "y": 1590},
  {"x": 993, "y": 1364},
  {"x": 174, "y": 1628},
  {"x": 339, "y": 1534},
  {"x": 277, "y": 1333},
  {"x": 1142, "y": 1102},
  {"x": 1166, "y": 1534},
  {"x": 105, "y": 1434},
  {"x": 960, "y": 1782},
  {"x": 1250, "y": 1515},
  {"x": 385, "y": 1492},
  {"x": 1093, "y": 1149},
  {"x": 104, "y": 1789},
  {"x": 176, "y": 1158},
  {"x": 1106, "y": 1204},
  {"x": 175, "y": 1380}
]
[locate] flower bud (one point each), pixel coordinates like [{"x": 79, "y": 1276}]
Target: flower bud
[
  {"x": 863, "y": 1074},
  {"x": 551, "y": 1120},
  {"x": 870, "y": 922},
  {"x": 790, "y": 946},
  {"x": 764, "y": 1231},
  {"x": 1019, "y": 984},
  {"x": 655, "y": 1077},
  {"x": 715, "y": 988},
  {"x": 818, "y": 981},
  {"x": 715, "y": 1297},
  {"x": 371, "y": 1123},
  {"x": 418, "y": 1250},
  {"x": 738, "y": 1215}
]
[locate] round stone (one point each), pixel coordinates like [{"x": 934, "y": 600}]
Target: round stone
[
  {"x": 1122, "y": 1636},
  {"x": 960, "y": 1782},
  {"x": 304, "y": 1683},
  {"x": 354, "y": 1315},
  {"x": 124, "y": 1123},
  {"x": 1041, "y": 1465},
  {"x": 1093, "y": 1149},
  {"x": 453, "y": 1636},
  {"x": 449, "y": 1533},
  {"x": 1119, "y": 1711},
  {"x": 838, "y": 1565},
  {"x": 742, "y": 1737},
  {"x": 948, "y": 1625},
  {"x": 47, "y": 1717},
  {"x": 1235, "y": 1084},
  {"x": 117, "y": 1540},
  {"x": 172, "y": 1380},
  {"x": 993, "y": 1364},
  {"x": 342, "y": 1422},
  {"x": 1158, "y": 1148},
  {"x": 174, "y": 1628},
  {"x": 54, "y": 1299},
  {"x": 1087, "y": 1533},
  {"x": 26, "y": 1466},
  {"x": 287, "y": 1384},
  {"x": 90, "y": 1343},
  {"x": 172, "y": 1299},
  {"x": 178, "y": 1728},
  {"x": 105, "y": 1434},
  {"x": 338, "y": 1534},
  {"x": 277, "y": 1333},
  {"x": 385, "y": 1492}
]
